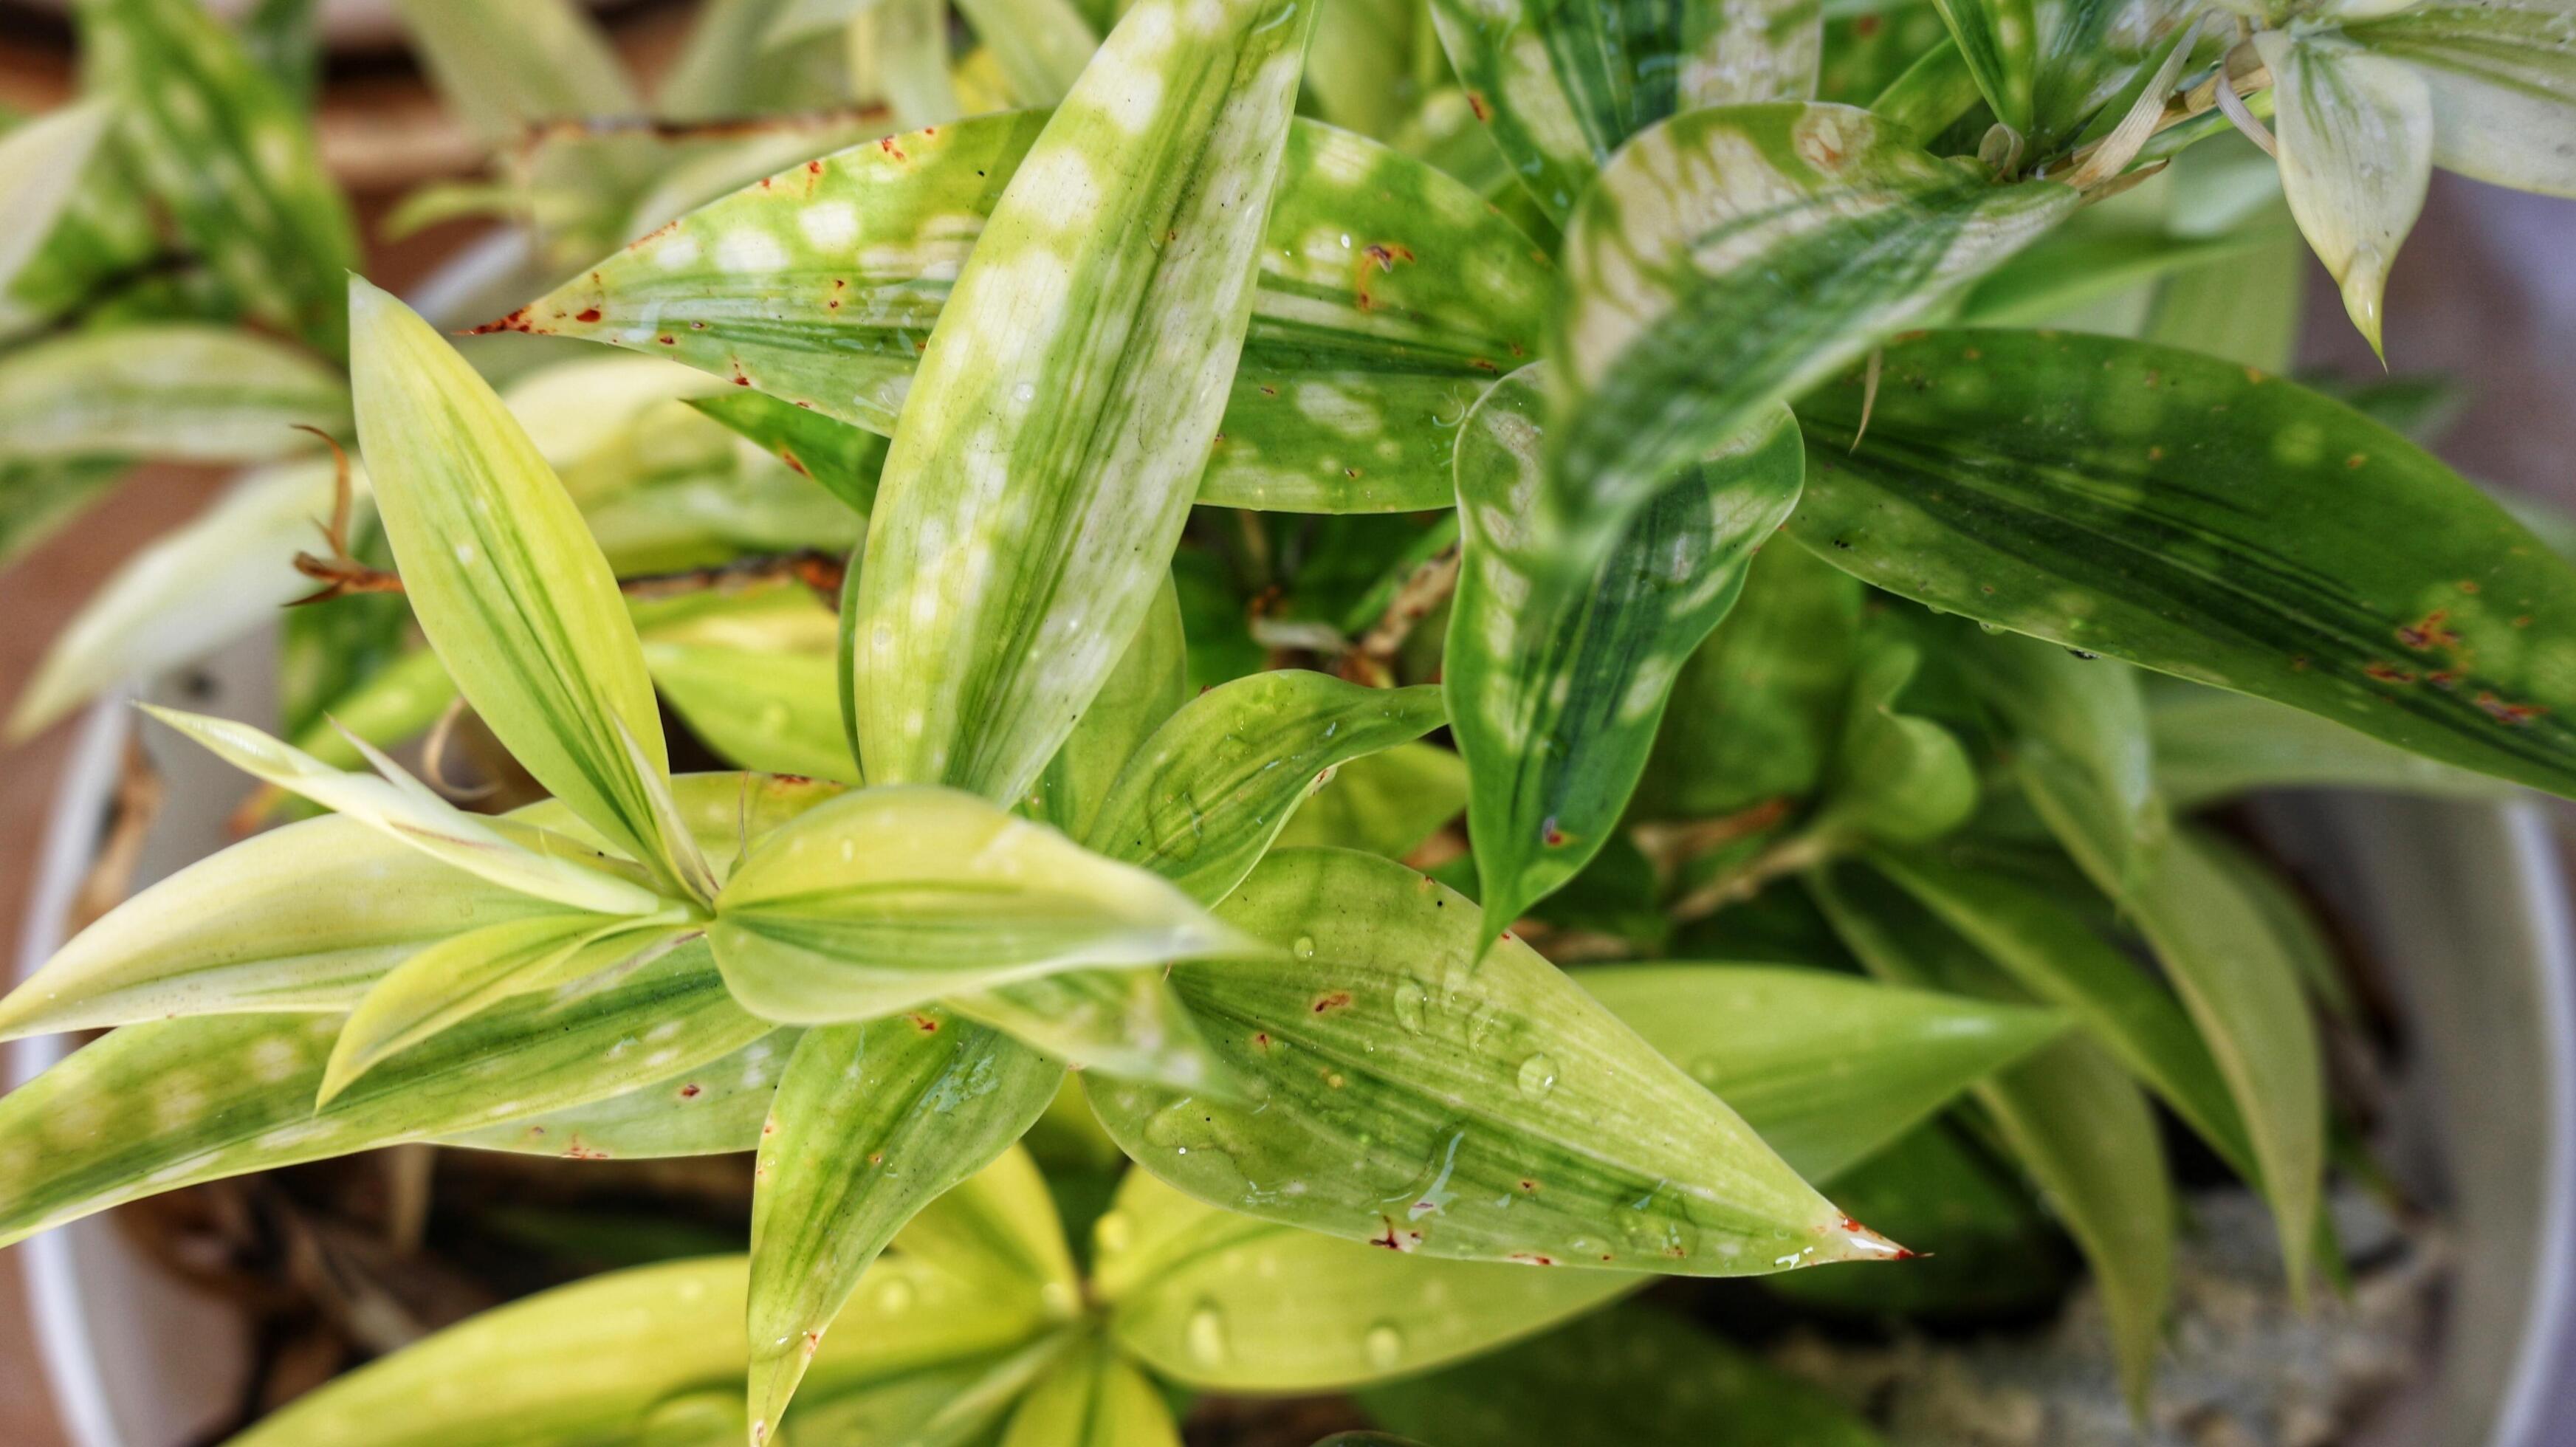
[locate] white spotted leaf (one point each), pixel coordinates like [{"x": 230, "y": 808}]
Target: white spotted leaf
[{"x": 1558, "y": 682}]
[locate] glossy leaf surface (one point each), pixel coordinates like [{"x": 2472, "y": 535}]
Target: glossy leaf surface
[
  {"x": 1115, "y": 280},
  {"x": 1759, "y": 1038},
  {"x": 1730, "y": 259},
  {"x": 1225, "y": 1302},
  {"x": 1206, "y": 795},
  {"x": 715, "y": 1109},
  {"x": 1384, "y": 803},
  {"x": 2189, "y": 516},
  {"x": 763, "y": 709},
  {"x": 503, "y": 575},
  {"x": 842, "y": 459},
  {"x": 893, "y": 897},
  {"x": 1559, "y": 680},
  {"x": 1406, "y": 1094},
  {"x": 162, "y": 1104},
  {"x": 820, "y": 286},
  {"x": 871, "y": 1123}
]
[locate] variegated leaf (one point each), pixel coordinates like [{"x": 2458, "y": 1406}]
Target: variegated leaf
[
  {"x": 505, "y": 65},
  {"x": 2196, "y": 517},
  {"x": 1562, "y": 86},
  {"x": 892, "y": 897},
  {"x": 2502, "y": 78},
  {"x": 1383, "y": 803},
  {"x": 712, "y": 1109},
  {"x": 1388, "y": 298},
  {"x": 465, "y": 974},
  {"x": 532, "y": 861},
  {"x": 1206, "y": 795},
  {"x": 1405, "y": 1092},
  {"x": 1999, "y": 40},
  {"x": 1017, "y": 544},
  {"x": 1829, "y": 1069},
  {"x": 230, "y": 154},
  {"x": 1143, "y": 691},
  {"x": 2090, "y": 51},
  {"x": 1126, "y": 1023},
  {"x": 593, "y": 1361},
  {"x": 181, "y": 391},
  {"x": 899, "y": 49},
  {"x": 41, "y": 166},
  {"x": 842, "y": 458},
  {"x": 1728, "y": 260},
  {"x": 871, "y": 1123},
  {"x": 504, "y": 577},
  {"x": 1561, "y": 680},
  {"x": 1230, "y": 1303},
  {"x": 1000, "y": 1227},
  {"x": 2356, "y": 145},
  {"x": 167, "y": 1103}
]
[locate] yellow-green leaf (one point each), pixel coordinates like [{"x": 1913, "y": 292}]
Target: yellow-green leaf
[{"x": 2356, "y": 146}]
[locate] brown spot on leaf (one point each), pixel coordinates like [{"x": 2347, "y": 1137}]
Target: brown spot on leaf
[
  {"x": 692, "y": 1091},
  {"x": 1337, "y": 1000},
  {"x": 1394, "y": 1237},
  {"x": 2429, "y": 633},
  {"x": 586, "y": 314},
  {"x": 2387, "y": 672},
  {"x": 2517, "y": 714},
  {"x": 1476, "y": 103},
  {"x": 2468, "y": 585},
  {"x": 1532, "y": 1258},
  {"x": 923, "y": 1023}
]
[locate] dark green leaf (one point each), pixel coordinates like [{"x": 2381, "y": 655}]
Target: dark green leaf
[{"x": 841, "y": 458}]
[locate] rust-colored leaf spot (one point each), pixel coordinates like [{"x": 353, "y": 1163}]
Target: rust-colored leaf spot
[
  {"x": 1482, "y": 364},
  {"x": 1866, "y": 26},
  {"x": 2429, "y": 633},
  {"x": 1261, "y": 1040},
  {"x": 587, "y": 314},
  {"x": 2355, "y": 461},
  {"x": 1394, "y": 1237},
  {"x": 890, "y": 148},
  {"x": 1528, "y": 1185},
  {"x": 813, "y": 1340},
  {"x": 768, "y": 1128},
  {"x": 692, "y": 1091},
  {"x": 2522, "y": 620},
  {"x": 2387, "y": 672},
  {"x": 923, "y": 1023},
  {"x": 2445, "y": 679},
  {"x": 2468, "y": 585},
  {"x": 2517, "y": 714},
  {"x": 1532, "y": 1258},
  {"x": 814, "y": 168},
  {"x": 668, "y": 341},
  {"x": 1476, "y": 103},
  {"x": 1337, "y": 1000},
  {"x": 574, "y": 1150},
  {"x": 517, "y": 321},
  {"x": 1554, "y": 837},
  {"x": 794, "y": 463},
  {"x": 876, "y": 1158}
]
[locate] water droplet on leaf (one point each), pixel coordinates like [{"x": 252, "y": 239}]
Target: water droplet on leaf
[{"x": 1538, "y": 1076}]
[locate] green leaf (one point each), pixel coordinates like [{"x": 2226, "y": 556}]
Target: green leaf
[
  {"x": 716, "y": 1109},
  {"x": 2091, "y": 52},
  {"x": 462, "y": 976},
  {"x": 1828, "y": 1068},
  {"x": 2212, "y": 746},
  {"x": 229, "y": 153},
  {"x": 1637, "y": 1376},
  {"x": 1407, "y": 1094},
  {"x": 1730, "y": 259},
  {"x": 1202, "y": 800},
  {"x": 999, "y": 1227},
  {"x": 279, "y": 37},
  {"x": 900, "y": 48},
  {"x": 505, "y": 578},
  {"x": 1561, "y": 679},
  {"x": 2178, "y": 513},
  {"x": 1930, "y": 94},
  {"x": 592, "y": 1361},
  {"x": 871, "y": 1123},
  {"x": 842, "y": 459},
  {"x": 1561, "y": 87},
  {"x": 1040, "y": 46},
  {"x": 531, "y": 861},
  {"x": 892, "y": 897},
  {"x": 506, "y": 65},
  {"x": 180, "y": 391},
  {"x": 41, "y": 166},
  {"x": 1988, "y": 1251},
  {"x": 1999, "y": 39},
  {"x": 1115, "y": 280},
  {"x": 1226, "y": 1303},
  {"x": 2356, "y": 147},
  {"x": 1093, "y": 1398},
  {"x": 2235, "y": 975},
  {"x": 1148, "y": 686},
  {"x": 2502, "y": 78},
  {"x": 1756, "y": 710},
  {"x": 2080, "y": 1129},
  {"x": 167, "y": 1103},
  {"x": 2047, "y": 946},
  {"x": 1384, "y": 803},
  {"x": 2088, "y": 717},
  {"x": 1897, "y": 777},
  {"x": 1127, "y": 1023},
  {"x": 819, "y": 286},
  {"x": 766, "y": 710},
  {"x": 303, "y": 918}
]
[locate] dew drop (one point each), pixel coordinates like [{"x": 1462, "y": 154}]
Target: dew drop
[
  {"x": 1408, "y": 1006},
  {"x": 1538, "y": 1076},
  {"x": 1205, "y": 1335},
  {"x": 1304, "y": 949},
  {"x": 1385, "y": 1345},
  {"x": 1025, "y": 392}
]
